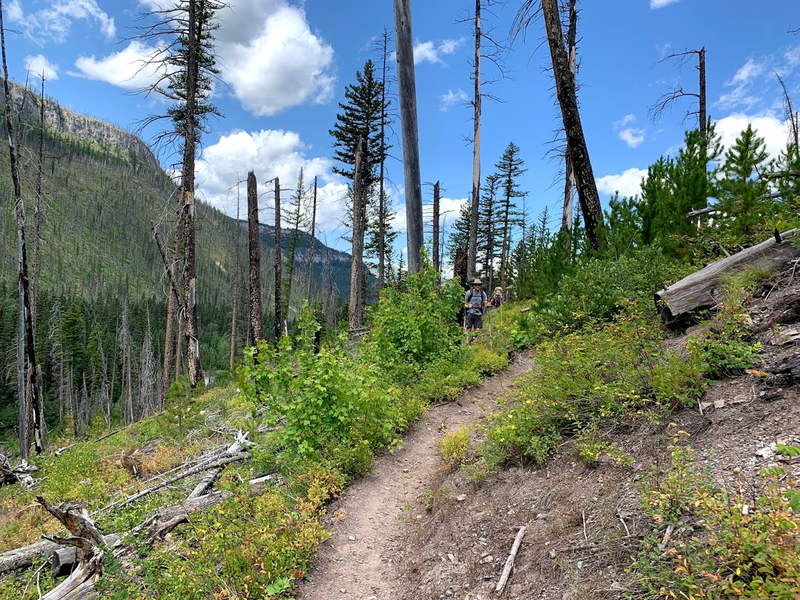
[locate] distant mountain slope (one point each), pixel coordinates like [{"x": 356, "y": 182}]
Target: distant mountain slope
[{"x": 102, "y": 187}]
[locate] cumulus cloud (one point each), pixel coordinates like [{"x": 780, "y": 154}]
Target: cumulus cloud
[
  {"x": 228, "y": 161},
  {"x": 266, "y": 53},
  {"x": 774, "y": 130},
  {"x": 271, "y": 59},
  {"x": 630, "y": 135},
  {"x": 654, "y": 4},
  {"x": 55, "y": 21},
  {"x": 131, "y": 68},
  {"x": 432, "y": 52},
  {"x": 451, "y": 98},
  {"x": 628, "y": 183},
  {"x": 38, "y": 66}
]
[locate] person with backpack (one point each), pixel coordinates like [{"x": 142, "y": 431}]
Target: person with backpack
[
  {"x": 475, "y": 301},
  {"x": 497, "y": 298}
]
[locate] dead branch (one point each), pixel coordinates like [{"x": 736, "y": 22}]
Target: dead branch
[
  {"x": 510, "y": 560},
  {"x": 18, "y": 474}
]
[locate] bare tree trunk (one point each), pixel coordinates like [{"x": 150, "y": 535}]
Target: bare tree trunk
[
  {"x": 701, "y": 66},
  {"x": 472, "y": 250},
  {"x": 576, "y": 142},
  {"x": 256, "y": 311},
  {"x": 382, "y": 170},
  {"x": 235, "y": 281},
  {"x": 311, "y": 250},
  {"x": 354, "y": 313},
  {"x": 39, "y": 426},
  {"x": 189, "y": 208},
  {"x": 24, "y": 285},
  {"x": 278, "y": 260},
  {"x": 408, "y": 120},
  {"x": 435, "y": 241},
  {"x": 172, "y": 305},
  {"x": 569, "y": 173}
]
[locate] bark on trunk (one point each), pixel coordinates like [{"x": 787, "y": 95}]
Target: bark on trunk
[
  {"x": 408, "y": 121},
  {"x": 472, "y": 246},
  {"x": 354, "y": 312},
  {"x": 435, "y": 242},
  {"x": 254, "y": 244},
  {"x": 278, "y": 261},
  {"x": 576, "y": 142}
]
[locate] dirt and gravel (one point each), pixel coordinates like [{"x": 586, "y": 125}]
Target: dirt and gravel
[{"x": 414, "y": 530}]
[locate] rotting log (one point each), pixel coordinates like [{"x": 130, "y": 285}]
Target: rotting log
[
  {"x": 63, "y": 560},
  {"x": 22, "y": 558},
  {"x": 680, "y": 303}
]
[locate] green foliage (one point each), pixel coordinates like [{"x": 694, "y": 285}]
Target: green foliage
[
  {"x": 723, "y": 347},
  {"x": 323, "y": 397},
  {"x": 603, "y": 372},
  {"x": 412, "y": 327},
  {"x": 745, "y": 211},
  {"x": 251, "y": 546},
  {"x": 748, "y": 542},
  {"x": 453, "y": 447}
]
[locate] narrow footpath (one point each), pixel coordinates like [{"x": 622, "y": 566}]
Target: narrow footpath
[{"x": 358, "y": 561}]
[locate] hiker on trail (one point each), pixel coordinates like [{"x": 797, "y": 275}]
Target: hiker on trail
[
  {"x": 497, "y": 298},
  {"x": 475, "y": 301}
]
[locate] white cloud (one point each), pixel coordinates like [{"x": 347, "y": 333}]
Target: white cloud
[
  {"x": 775, "y": 131},
  {"x": 271, "y": 59},
  {"x": 628, "y": 183},
  {"x": 431, "y": 52},
  {"x": 38, "y": 66},
  {"x": 55, "y": 21},
  {"x": 630, "y": 135},
  {"x": 451, "y": 98},
  {"x": 128, "y": 68},
  {"x": 654, "y": 4},
  {"x": 747, "y": 72},
  {"x": 228, "y": 161},
  {"x": 266, "y": 53}
]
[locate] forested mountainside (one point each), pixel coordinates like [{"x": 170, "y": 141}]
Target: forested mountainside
[{"x": 100, "y": 270}]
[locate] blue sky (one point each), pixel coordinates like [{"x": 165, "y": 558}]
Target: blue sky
[{"x": 285, "y": 64}]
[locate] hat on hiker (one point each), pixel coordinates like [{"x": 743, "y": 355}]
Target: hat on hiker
[
  {"x": 477, "y": 281},
  {"x": 498, "y": 290}
]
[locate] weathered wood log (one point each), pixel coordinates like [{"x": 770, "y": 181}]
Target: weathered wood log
[
  {"x": 18, "y": 474},
  {"x": 63, "y": 560},
  {"x": 85, "y": 537},
  {"x": 22, "y": 558},
  {"x": 680, "y": 303}
]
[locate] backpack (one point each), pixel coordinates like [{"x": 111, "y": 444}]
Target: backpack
[{"x": 482, "y": 296}]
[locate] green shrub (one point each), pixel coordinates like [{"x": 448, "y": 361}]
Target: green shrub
[
  {"x": 747, "y": 546},
  {"x": 413, "y": 327},
  {"x": 453, "y": 447},
  {"x": 322, "y": 400}
]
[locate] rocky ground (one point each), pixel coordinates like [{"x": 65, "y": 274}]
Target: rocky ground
[{"x": 414, "y": 530}]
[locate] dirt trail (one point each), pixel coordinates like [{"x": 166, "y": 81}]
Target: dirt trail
[{"x": 358, "y": 562}]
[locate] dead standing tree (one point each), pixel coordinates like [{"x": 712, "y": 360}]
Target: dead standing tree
[
  {"x": 256, "y": 310},
  {"x": 566, "y": 93},
  {"x": 184, "y": 57},
  {"x": 408, "y": 120},
  {"x": 26, "y": 318},
  {"x": 278, "y": 261},
  {"x": 355, "y": 308},
  {"x": 670, "y": 97}
]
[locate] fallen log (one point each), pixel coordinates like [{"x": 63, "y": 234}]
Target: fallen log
[
  {"x": 680, "y": 303},
  {"x": 22, "y": 558},
  {"x": 18, "y": 474}
]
